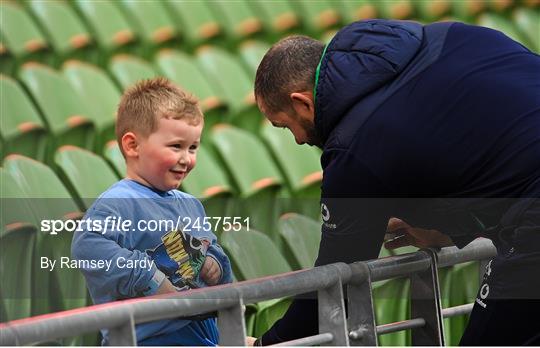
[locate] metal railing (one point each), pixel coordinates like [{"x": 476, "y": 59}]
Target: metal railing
[{"x": 358, "y": 329}]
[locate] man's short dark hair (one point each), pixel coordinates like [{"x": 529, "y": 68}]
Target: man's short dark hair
[{"x": 289, "y": 66}]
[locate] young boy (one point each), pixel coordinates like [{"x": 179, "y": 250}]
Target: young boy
[{"x": 140, "y": 237}]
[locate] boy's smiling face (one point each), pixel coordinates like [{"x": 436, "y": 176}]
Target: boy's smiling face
[{"x": 164, "y": 158}]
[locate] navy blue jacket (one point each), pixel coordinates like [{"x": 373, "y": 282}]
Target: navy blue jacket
[{"x": 438, "y": 125}]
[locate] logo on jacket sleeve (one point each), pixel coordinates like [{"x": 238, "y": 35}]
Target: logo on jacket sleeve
[{"x": 325, "y": 212}]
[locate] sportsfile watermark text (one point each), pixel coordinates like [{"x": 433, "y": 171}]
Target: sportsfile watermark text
[{"x": 119, "y": 224}]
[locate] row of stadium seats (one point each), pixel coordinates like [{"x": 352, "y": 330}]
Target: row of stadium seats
[
  {"x": 53, "y": 31},
  {"x": 77, "y": 105}
]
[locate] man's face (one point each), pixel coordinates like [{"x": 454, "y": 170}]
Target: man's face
[
  {"x": 167, "y": 155},
  {"x": 300, "y": 125}
]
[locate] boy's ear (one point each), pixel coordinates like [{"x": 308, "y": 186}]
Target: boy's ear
[{"x": 130, "y": 145}]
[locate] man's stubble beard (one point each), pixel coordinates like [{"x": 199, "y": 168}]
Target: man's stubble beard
[{"x": 313, "y": 138}]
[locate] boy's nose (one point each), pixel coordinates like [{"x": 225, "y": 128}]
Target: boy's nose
[{"x": 183, "y": 159}]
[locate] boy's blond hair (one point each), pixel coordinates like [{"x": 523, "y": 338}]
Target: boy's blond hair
[{"x": 144, "y": 103}]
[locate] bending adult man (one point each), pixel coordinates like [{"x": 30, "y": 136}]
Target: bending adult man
[{"x": 437, "y": 125}]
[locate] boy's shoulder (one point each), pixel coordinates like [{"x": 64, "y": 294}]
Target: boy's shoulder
[
  {"x": 182, "y": 194},
  {"x": 118, "y": 195},
  {"x": 124, "y": 188},
  {"x": 125, "y": 193},
  {"x": 187, "y": 198}
]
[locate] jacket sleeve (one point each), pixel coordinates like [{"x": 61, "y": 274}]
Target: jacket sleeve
[
  {"x": 112, "y": 280},
  {"x": 355, "y": 215}
]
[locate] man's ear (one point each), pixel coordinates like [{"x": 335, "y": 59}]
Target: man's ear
[
  {"x": 302, "y": 103},
  {"x": 130, "y": 144}
]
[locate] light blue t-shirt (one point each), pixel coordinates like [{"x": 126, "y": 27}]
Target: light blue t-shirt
[{"x": 136, "y": 218}]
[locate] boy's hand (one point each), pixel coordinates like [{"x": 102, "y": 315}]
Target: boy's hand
[
  {"x": 165, "y": 287},
  {"x": 210, "y": 271},
  {"x": 418, "y": 237}
]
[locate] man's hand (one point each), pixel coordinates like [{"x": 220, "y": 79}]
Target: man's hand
[
  {"x": 418, "y": 237},
  {"x": 250, "y": 341},
  {"x": 210, "y": 271}
]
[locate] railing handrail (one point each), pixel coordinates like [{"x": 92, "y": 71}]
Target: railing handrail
[{"x": 106, "y": 316}]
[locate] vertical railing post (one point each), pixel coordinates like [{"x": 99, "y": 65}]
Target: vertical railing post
[
  {"x": 361, "y": 320},
  {"x": 332, "y": 314},
  {"x": 232, "y": 330},
  {"x": 426, "y": 304},
  {"x": 123, "y": 335}
]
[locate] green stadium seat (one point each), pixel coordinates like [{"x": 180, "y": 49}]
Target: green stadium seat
[
  {"x": 15, "y": 208},
  {"x": 352, "y": 11},
  {"x": 268, "y": 312},
  {"x": 528, "y": 22},
  {"x": 209, "y": 183},
  {"x": 445, "y": 282},
  {"x": 531, "y": 3},
  {"x": 302, "y": 237},
  {"x": 17, "y": 242},
  {"x": 327, "y": 36},
  {"x": 250, "y": 252},
  {"x": 63, "y": 288},
  {"x": 464, "y": 288},
  {"x": 498, "y": 22},
  {"x": 108, "y": 25},
  {"x": 127, "y": 70},
  {"x": 67, "y": 114},
  {"x": 84, "y": 173},
  {"x": 252, "y": 52},
  {"x": 236, "y": 18},
  {"x": 391, "y": 301},
  {"x": 100, "y": 92},
  {"x": 399, "y": 9},
  {"x": 403, "y": 250},
  {"x": 7, "y": 62},
  {"x": 278, "y": 17},
  {"x": 254, "y": 175},
  {"x": 195, "y": 21},
  {"x": 467, "y": 10},
  {"x": 114, "y": 156},
  {"x": 21, "y": 38},
  {"x": 317, "y": 16},
  {"x": 151, "y": 22},
  {"x": 49, "y": 199},
  {"x": 183, "y": 70},
  {"x": 68, "y": 36},
  {"x": 430, "y": 11},
  {"x": 16, "y": 247},
  {"x": 231, "y": 144},
  {"x": 500, "y": 5},
  {"x": 300, "y": 166},
  {"x": 21, "y": 127},
  {"x": 235, "y": 85}
]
